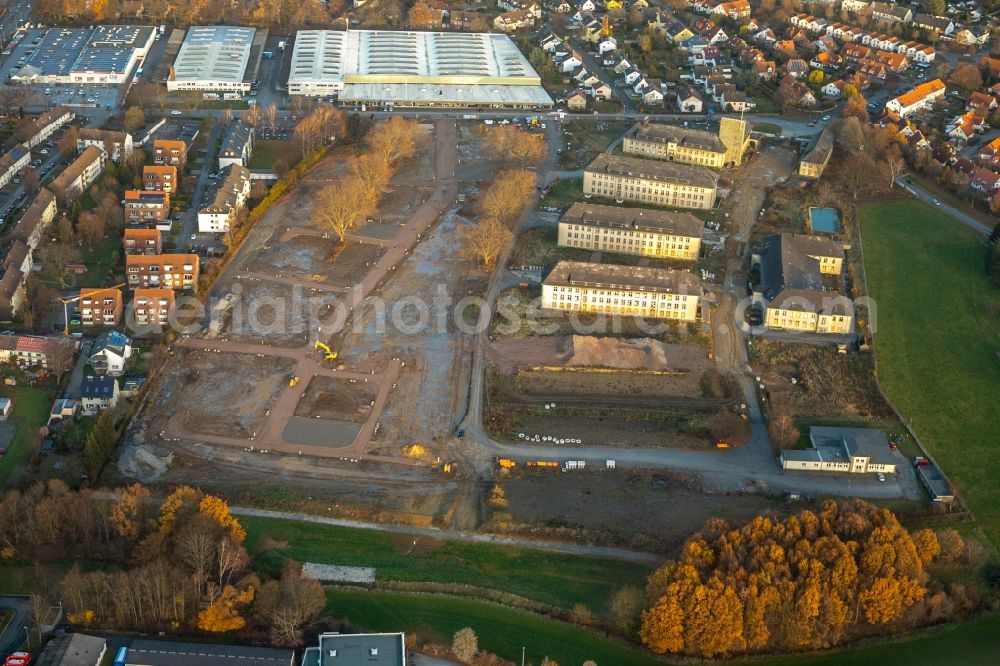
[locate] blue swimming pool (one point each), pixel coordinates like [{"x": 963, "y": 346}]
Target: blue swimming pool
[{"x": 825, "y": 220}]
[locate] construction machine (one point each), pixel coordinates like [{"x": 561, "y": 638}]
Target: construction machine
[{"x": 328, "y": 354}]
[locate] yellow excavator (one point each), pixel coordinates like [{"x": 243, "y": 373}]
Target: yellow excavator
[{"x": 328, "y": 354}]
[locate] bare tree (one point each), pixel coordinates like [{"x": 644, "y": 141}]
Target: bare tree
[
  {"x": 30, "y": 179},
  {"x": 372, "y": 174},
  {"x": 57, "y": 258},
  {"x": 91, "y": 228},
  {"x": 484, "y": 240},
  {"x": 67, "y": 144},
  {"x": 252, "y": 116},
  {"x": 271, "y": 116},
  {"x": 395, "y": 139},
  {"x": 895, "y": 164},
  {"x": 507, "y": 196},
  {"x": 511, "y": 144},
  {"x": 343, "y": 205}
]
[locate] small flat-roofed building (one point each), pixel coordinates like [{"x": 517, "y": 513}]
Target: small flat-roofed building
[
  {"x": 237, "y": 145},
  {"x": 649, "y": 181},
  {"x": 415, "y": 69},
  {"x": 216, "y": 58},
  {"x": 47, "y": 124},
  {"x": 142, "y": 241},
  {"x": 231, "y": 192},
  {"x": 159, "y": 177},
  {"x": 935, "y": 482},
  {"x": 105, "y": 54},
  {"x": 73, "y": 650},
  {"x": 173, "y": 271},
  {"x": 12, "y": 162},
  {"x": 818, "y": 156},
  {"x": 576, "y": 286},
  {"x": 151, "y": 307},
  {"x": 170, "y": 653},
  {"x": 642, "y": 231},
  {"x": 357, "y": 650},
  {"x": 851, "y": 450},
  {"x": 116, "y": 144},
  {"x": 100, "y": 307},
  {"x": 675, "y": 144},
  {"x": 78, "y": 176},
  {"x": 146, "y": 206},
  {"x": 36, "y": 218}
]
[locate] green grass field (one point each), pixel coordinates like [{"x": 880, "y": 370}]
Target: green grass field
[
  {"x": 504, "y": 631},
  {"x": 266, "y": 153},
  {"x": 30, "y": 411},
  {"x": 937, "y": 341},
  {"x": 551, "y": 578}
]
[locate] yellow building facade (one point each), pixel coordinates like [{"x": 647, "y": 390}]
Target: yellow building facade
[
  {"x": 638, "y": 231},
  {"x": 647, "y": 181}
]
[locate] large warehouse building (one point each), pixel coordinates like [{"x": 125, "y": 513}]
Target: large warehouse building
[
  {"x": 415, "y": 69},
  {"x": 217, "y": 58},
  {"x": 103, "y": 54}
]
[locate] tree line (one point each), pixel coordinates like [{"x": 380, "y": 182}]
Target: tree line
[
  {"x": 812, "y": 580},
  {"x": 178, "y": 566}
]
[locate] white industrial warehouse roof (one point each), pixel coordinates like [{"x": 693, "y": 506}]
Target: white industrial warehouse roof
[
  {"x": 214, "y": 53},
  {"x": 324, "y": 54}
]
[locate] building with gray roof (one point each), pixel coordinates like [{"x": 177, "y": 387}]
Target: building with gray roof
[
  {"x": 217, "y": 58},
  {"x": 650, "y": 181},
  {"x": 357, "y": 650},
  {"x": 641, "y": 231},
  {"x": 169, "y": 653},
  {"x": 237, "y": 145},
  {"x": 851, "y": 450},
  {"x": 98, "y": 54},
  {"x": 73, "y": 650},
  {"x": 676, "y": 144}
]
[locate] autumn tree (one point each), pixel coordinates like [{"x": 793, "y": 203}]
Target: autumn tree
[
  {"x": 395, "y": 139},
  {"x": 126, "y": 512},
  {"x": 626, "y": 606},
  {"x": 223, "y": 613},
  {"x": 951, "y": 543},
  {"x": 288, "y": 604},
  {"x": 513, "y": 145},
  {"x": 322, "y": 124},
  {"x": 134, "y": 119},
  {"x": 895, "y": 164},
  {"x": 90, "y": 227},
  {"x": 485, "y": 240},
  {"x": 67, "y": 142},
  {"x": 420, "y": 16},
  {"x": 30, "y": 179},
  {"x": 508, "y": 195},
  {"x": 38, "y": 301},
  {"x": 966, "y": 76},
  {"x": 465, "y": 644},
  {"x": 271, "y": 117},
  {"x": 372, "y": 174},
  {"x": 856, "y": 106},
  {"x": 343, "y": 206},
  {"x": 251, "y": 116}
]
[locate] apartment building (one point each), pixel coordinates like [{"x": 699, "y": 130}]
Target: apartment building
[
  {"x": 32, "y": 350},
  {"x": 36, "y": 218},
  {"x": 15, "y": 266},
  {"x": 170, "y": 151},
  {"x": 922, "y": 97},
  {"x": 641, "y": 231},
  {"x": 79, "y": 175},
  {"x": 12, "y": 162},
  {"x": 649, "y": 181},
  {"x": 146, "y": 207},
  {"x": 792, "y": 289},
  {"x": 142, "y": 241},
  {"x": 231, "y": 192},
  {"x": 47, "y": 124},
  {"x": 151, "y": 307},
  {"x": 100, "y": 307},
  {"x": 575, "y": 286},
  {"x": 159, "y": 178},
  {"x": 237, "y": 145},
  {"x": 117, "y": 144},
  {"x": 675, "y": 144},
  {"x": 172, "y": 271}
]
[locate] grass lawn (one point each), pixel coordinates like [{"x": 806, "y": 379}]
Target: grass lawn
[
  {"x": 936, "y": 342},
  {"x": 501, "y": 630},
  {"x": 30, "y": 411},
  {"x": 551, "y": 578},
  {"x": 98, "y": 261},
  {"x": 266, "y": 153}
]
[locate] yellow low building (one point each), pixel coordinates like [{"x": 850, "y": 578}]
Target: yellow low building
[
  {"x": 674, "y": 144},
  {"x": 575, "y": 286},
  {"x": 651, "y": 233},
  {"x": 810, "y": 312},
  {"x": 649, "y": 181},
  {"x": 815, "y": 161}
]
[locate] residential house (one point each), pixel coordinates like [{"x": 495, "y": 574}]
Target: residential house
[
  {"x": 575, "y": 286},
  {"x": 110, "y": 353},
  {"x": 170, "y": 151},
  {"x": 602, "y": 91},
  {"x": 160, "y": 178},
  {"x": 922, "y": 97},
  {"x": 962, "y": 128},
  {"x": 12, "y": 162},
  {"x": 737, "y": 101},
  {"x": 36, "y": 218},
  {"x": 797, "y": 68},
  {"x": 985, "y": 181},
  {"x": 31, "y": 351},
  {"x": 890, "y": 13},
  {"x": 15, "y": 266},
  {"x": 116, "y": 144},
  {"x": 941, "y": 25},
  {"x": 639, "y": 231},
  {"x": 513, "y": 21},
  {"x": 100, "y": 307},
  {"x": 736, "y": 10},
  {"x": 850, "y": 450},
  {"x": 78, "y": 176},
  {"x": 231, "y": 192},
  {"x": 818, "y": 156},
  {"x": 152, "y": 307},
  {"x": 576, "y": 100},
  {"x": 855, "y": 6},
  {"x": 834, "y": 89},
  {"x": 689, "y": 101},
  {"x": 98, "y": 394},
  {"x": 607, "y": 45},
  {"x": 142, "y": 241},
  {"x": 47, "y": 124},
  {"x": 146, "y": 206},
  {"x": 766, "y": 70},
  {"x": 652, "y": 95},
  {"x": 990, "y": 153},
  {"x": 650, "y": 181},
  {"x": 173, "y": 271}
]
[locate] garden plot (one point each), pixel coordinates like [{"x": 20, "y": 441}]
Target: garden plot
[{"x": 315, "y": 259}]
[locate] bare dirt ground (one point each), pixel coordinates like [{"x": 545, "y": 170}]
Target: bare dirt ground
[
  {"x": 329, "y": 398},
  {"x": 667, "y": 507},
  {"x": 509, "y": 353},
  {"x": 310, "y": 256},
  {"x": 633, "y": 384}
]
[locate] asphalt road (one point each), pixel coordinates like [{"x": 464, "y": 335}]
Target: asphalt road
[
  {"x": 14, "y": 635},
  {"x": 955, "y": 213}
]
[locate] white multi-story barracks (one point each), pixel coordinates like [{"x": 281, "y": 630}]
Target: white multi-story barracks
[
  {"x": 217, "y": 58},
  {"x": 377, "y": 67},
  {"x": 101, "y": 54}
]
